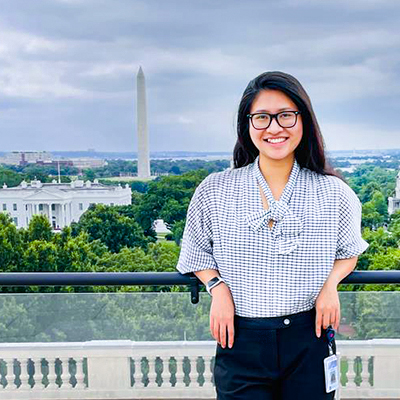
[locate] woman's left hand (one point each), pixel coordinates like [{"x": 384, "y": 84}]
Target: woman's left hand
[{"x": 327, "y": 306}]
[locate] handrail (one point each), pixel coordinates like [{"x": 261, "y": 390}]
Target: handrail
[
  {"x": 154, "y": 278},
  {"x": 149, "y": 278}
]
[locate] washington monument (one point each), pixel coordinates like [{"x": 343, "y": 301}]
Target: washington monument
[{"x": 142, "y": 132}]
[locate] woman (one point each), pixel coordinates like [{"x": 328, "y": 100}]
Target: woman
[{"x": 271, "y": 239}]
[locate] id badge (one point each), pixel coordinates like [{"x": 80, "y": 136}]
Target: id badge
[{"x": 331, "y": 373}]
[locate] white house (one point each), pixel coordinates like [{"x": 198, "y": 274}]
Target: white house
[
  {"x": 62, "y": 203},
  {"x": 394, "y": 202}
]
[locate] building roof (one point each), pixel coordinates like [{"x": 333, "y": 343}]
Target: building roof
[{"x": 77, "y": 185}]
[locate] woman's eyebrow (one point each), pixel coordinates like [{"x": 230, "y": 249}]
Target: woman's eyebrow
[{"x": 281, "y": 109}]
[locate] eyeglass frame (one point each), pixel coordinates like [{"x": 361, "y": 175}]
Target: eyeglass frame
[{"x": 272, "y": 116}]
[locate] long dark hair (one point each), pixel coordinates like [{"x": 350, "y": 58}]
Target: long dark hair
[{"x": 310, "y": 152}]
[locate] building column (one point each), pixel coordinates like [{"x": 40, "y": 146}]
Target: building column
[
  {"x": 50, "y": 216},
  {"x": 62, "y": 220},
  {"x": 69, "y": 214},
  {"x": 28, "y": 213}
]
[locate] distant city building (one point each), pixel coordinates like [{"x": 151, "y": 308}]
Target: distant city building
[
  {"x": 394, "y": 202},
  {"x": 26, "y": 157},
  {"x": 45, "y": 158},
  {"x": 87, "y": 162},
  {"x": 62, "y": 203}
]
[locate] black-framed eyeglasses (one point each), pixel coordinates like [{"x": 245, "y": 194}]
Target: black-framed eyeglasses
[{"x": 285, "y": 119}]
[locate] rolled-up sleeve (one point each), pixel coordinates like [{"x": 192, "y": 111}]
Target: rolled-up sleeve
[
  {"x": 349, "y": 242},
  {"x": 197, "y": 243}
]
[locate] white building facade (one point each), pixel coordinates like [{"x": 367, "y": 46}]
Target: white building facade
[
  {"x": 62, "y": 203},
  {"x": 394, "y": 202}
]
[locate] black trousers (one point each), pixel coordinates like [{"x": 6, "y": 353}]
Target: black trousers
[{"x": 277, "y": 358}]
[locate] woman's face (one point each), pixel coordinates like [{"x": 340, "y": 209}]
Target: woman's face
[{"x": 274, "y": 101}]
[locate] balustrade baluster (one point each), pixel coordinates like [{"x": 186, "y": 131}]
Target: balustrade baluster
[
  {"x": 137, "y": 376},
  {"x": 193, "y": 374},
  {"x": 65, "y": 374},
  {"x": 37, "y": 375},
  {"x": 152, "y": 372},
  {"x": 351, "y": 374},
  {"x": 165, "y": 374},
  {"x": 364, "y": 372},
  {"x": 1, "y": 377},
  {"x": 207, "y": 372},
  {"x": 179, "y": 372},
  {"x": 10, "y": 377},
  {"x": 24, "y": 376},
  {"x": 52, "y": 376},
  {"x": 79, "y": 375}
]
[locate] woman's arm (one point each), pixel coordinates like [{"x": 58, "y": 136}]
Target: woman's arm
[{"x": 327, "y": 304}]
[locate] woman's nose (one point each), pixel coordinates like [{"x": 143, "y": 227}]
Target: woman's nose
[{"x": 274, "y": 127}]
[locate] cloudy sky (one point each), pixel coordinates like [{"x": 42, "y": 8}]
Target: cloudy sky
[{"x": 68, "y": 70}]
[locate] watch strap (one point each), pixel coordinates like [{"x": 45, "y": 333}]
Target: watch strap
[{"x": 212, "y": 283}]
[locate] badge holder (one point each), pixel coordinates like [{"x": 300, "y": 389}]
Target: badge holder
[{"x": 331, "y": 364}]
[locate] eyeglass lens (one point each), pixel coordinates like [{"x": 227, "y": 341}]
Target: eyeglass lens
[{"x": 285, "y": 120}]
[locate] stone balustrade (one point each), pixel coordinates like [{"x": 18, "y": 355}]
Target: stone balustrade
[{"x": 166, "y": 370}]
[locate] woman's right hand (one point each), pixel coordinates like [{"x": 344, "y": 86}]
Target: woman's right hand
[{"x": 221, "y": 315}]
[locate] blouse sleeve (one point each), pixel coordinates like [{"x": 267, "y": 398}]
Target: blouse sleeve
[
  {"x": 349, "y": 242},
  {"x": 197, "y": 244}
]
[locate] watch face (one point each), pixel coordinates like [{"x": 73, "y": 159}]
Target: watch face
[{"x": 212, "y": 281}]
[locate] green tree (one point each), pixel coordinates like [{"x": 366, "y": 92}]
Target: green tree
[
  {"x": 168, "y": 198},
  {"x": 40, "y": 256},
  {"x": 368, "y": 190},
  {"x": 40, "y": 229},
  {"x": 11, "y": 245},
  {"x": 111, "y": 228},
  {"x": 89, "y": 174},
  {"x": 10, "y": 178}
]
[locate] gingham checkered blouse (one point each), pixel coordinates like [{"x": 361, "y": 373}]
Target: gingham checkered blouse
[{"x": 278, "y": 271}]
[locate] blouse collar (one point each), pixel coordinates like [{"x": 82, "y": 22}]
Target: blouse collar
[
  {"x": 288, "y": 226},
  {"x": 288, "y": 190}
]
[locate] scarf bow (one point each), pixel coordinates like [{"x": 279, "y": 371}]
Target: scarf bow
[{"x": 287, "y": 226}]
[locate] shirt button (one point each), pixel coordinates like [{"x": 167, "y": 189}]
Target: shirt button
[{"x": 286, "y": 321}]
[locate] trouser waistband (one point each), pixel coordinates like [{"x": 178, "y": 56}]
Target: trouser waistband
[{"x": 301, "y": 318}]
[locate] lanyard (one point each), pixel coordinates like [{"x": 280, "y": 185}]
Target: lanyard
[{"x": 330, "y": 335}]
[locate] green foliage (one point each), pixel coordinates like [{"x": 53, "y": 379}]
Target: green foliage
[
  {"x": 377, "y": 178},
  {"x": 40, "y": 256},
  {"x": 40, "y": 228},
  {"x": 111, "y": 228},
  {"x": 168, "y": 198},
  {"x": 10, "y": 178},
  {"x": 11, "y": 245}
]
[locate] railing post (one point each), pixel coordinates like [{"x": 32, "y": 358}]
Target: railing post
[
  {"x": 65, "y": 375},
  {"x": 79, "y": 376},
  {"x": 364, "y": 372},
  {"x": 351, "y": 374},
  {"x": 10, "y": 377},
  {"x": 52, "y": 376},
  {"x": 108, "y": 367},
  {"x": 37, "y": 375},
  {"x": 152, "y": 372},
  {"x": 24, "y": 377},
  {"x": 165, "y": 374},
  {"x": 207, "y": 372},
  {"x": 138, "y": 375},
  {"x": 179, "y": 372}
]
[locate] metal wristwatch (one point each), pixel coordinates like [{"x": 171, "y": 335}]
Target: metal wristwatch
[{"x": 212, "y": 283}]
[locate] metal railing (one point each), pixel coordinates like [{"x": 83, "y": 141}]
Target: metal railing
[{"x": 155, "y": 278}]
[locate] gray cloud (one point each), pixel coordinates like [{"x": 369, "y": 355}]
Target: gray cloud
[{"x": 67, "y": 69}]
